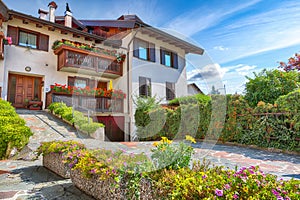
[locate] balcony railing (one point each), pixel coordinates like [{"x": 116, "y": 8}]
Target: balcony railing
[
  {"x": 87, "y": 103},
  {"x": 71, "y": 59}
]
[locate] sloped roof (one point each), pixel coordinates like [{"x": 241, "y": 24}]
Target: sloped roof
[
  {"x": 110, "y": 23},
  {"x": 74, "y": 20}
]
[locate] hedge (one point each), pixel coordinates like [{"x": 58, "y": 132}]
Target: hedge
[
  {"x": 232, "y": 120},
  {"x": 75, "y": 117}
]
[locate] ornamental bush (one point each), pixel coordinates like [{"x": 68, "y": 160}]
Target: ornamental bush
[
  {"x": 90, "y": 127},
  {"x": 268, "y": 85},
  {"x": 13, "y": 132},
  {"x": 59, "y": 147},
  {"x": 75, "y": 117}
]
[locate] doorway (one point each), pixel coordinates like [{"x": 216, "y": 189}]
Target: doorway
[{"x": 22, "y": 89}]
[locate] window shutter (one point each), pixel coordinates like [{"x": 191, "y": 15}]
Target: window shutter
[
  {"x": 13, "y": 33},
  {"x": 71, "y": 81},
  {"x": 152, "y": 52},
  {"x": 175, "y": 60},
  {"x": 162, "y": 57},
  {"x": 135, "y": 48},
  {"x": 142, "y": 86},
  {"x": 43, "y": 42},
  {"x": 170, "y": 91}
]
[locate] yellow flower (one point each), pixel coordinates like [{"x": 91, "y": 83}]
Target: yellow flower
[
  {"x": 190, "y": 138},
  {"x": 155, "y": 144},
  {"x": 245, "y": 189},
  {"x": 165, "y": 140}
]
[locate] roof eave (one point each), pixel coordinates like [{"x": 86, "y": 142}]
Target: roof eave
[{"x": 62, "y": 27}]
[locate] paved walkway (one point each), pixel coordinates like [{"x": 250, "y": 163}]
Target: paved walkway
[{"x": 26, "y": 179}]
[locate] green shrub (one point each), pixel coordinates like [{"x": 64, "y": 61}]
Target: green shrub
[
  {"x": 75, "y": 117},
  {"x": 168, "y": 155},
  {"x": 220, "y": 183},
  {"x": 11, "y": 136},
  {"x": 68, "y": 114},
  {"x": 90, "y": 127},
  {"x": 194, "y": 99},
  {"x": 59, "y": 147},
  {"x": 13, "y": 132},
  {"x": 16, "y": 120},
  {"x": 269, "y": 85},
  {"x": 60, "y": 109},
  {"x": 53, "y": 106}
]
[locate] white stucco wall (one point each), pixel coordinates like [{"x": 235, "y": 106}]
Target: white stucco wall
[
  {"x": 42, "y": 63},
  {"x": 159, "y": 74},
  {"x": 192, "y": 90}
]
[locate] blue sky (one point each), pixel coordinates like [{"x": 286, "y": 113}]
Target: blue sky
[{"x": 239, "y": 37}]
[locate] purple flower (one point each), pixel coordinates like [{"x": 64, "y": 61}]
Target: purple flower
[
  {"x": 204, "y": 176},
  {"x": 227, "y": 187},
  {"x": 93, "y": 171},
  {"x": 287, "y": 198},
  {"x": 280, "y": 198},
  {"x": 70, "y": 165},
  {"x": 218, "y": 192},
  {"x": 125, "y": 164},
  {"x": 235, "y": 196},
  {"x": 275, "y": 192}
]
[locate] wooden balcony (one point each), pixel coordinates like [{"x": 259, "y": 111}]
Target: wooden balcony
[
  {"x": 71, "y": 59},
  {"x": 86, "y": 103}
]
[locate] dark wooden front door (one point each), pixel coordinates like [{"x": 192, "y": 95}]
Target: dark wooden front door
[{"x": 22, "y": 88}]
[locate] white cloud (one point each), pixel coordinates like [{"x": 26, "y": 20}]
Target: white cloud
[
  {"x": 262, "y": 32},
  {"x": 221, "y": 48},
  {"x": 203, "y": 18}
]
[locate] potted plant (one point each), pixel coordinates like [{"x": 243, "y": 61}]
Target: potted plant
[{"x": 35, "y": 104}]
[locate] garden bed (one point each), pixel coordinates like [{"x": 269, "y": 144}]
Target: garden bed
[
  {"x": 107, "y": 189},
  {"x": 54, "y": 162}
]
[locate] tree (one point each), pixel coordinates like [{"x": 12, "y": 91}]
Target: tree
[
  {"x": 267, "y": 86},
  {"x": 214, "y": 91},
  {"x": 292, "y": 65}
]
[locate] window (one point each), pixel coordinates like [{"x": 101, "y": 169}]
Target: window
[
  {"x": 77, "y": 82},
  {"x": 144, "y": 50},
  {"x": 168, "y": 58},
  {"x": 144, "y": 87},
  {"x": 27, "y": 38},
  {"x": 170, "y": 91}
]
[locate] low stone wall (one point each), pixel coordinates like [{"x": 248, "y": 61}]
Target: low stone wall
[
  {"x": 54, "y": 162},
  {"x": 105, "y": 190}
]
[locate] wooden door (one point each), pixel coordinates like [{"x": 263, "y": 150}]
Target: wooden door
[{"x": 22, "y": 88}]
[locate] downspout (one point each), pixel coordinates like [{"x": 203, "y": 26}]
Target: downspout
[{"x": 128, "y": 81}]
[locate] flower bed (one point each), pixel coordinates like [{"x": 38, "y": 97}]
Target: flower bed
[
  {"x": 54, "y": 155},
  {"x": 87, "y": 91},
  {"x": 105, "y": 174}
]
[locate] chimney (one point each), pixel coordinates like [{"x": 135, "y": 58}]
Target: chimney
[
  {"x": 52, "y": 7},
  {"x": 68, "y": 17},
  {"x": 43, "y": 14}
]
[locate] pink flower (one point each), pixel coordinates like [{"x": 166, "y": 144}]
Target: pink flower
[
  {"x": 275, "y": 192},
  {"x": 227, "y": 187},
  {"x": 235, "y": 196},
  {"x": 218, "y": 192}
]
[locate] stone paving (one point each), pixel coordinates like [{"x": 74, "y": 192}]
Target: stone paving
[{"x": 22, "y": 178}]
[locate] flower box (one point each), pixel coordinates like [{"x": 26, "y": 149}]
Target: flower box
[
  {"x": 54, "y": 162},
  {"x": 93, "y": 186},
  {"x": 105, "y": 189}
]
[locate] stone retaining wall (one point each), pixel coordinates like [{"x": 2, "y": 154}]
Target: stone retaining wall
[
  {"x": 54, "y": 162},
  {"x": 105, "y": 189}
]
